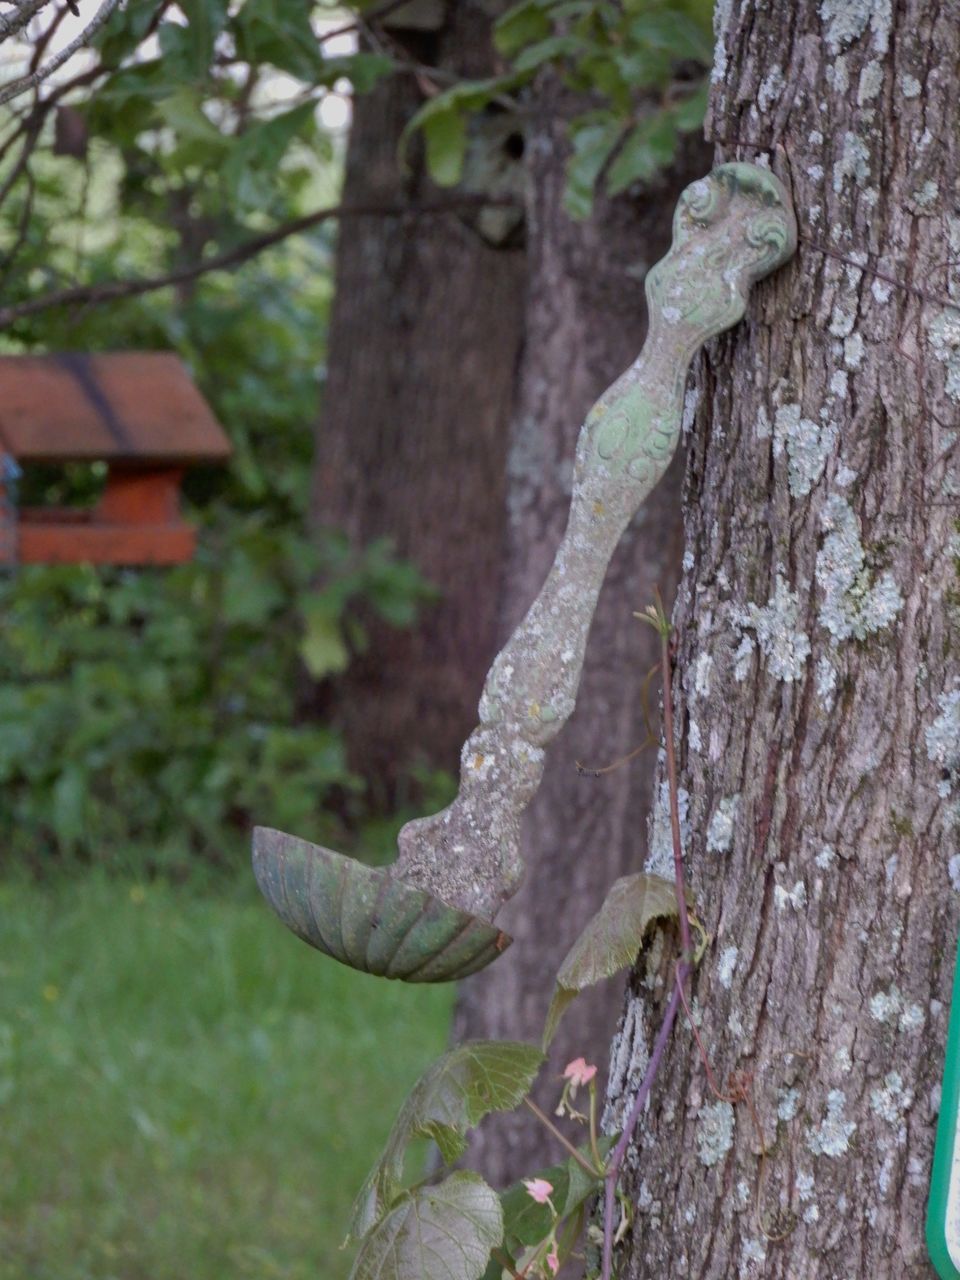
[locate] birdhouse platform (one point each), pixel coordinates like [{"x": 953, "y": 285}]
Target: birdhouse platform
[{"x": 137, "y": 412}]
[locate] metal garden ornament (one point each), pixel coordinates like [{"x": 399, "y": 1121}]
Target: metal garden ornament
[{"x": 430, "y": 917}]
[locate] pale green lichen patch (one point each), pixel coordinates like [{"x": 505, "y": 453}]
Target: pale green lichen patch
[
  {"x": 854, "y": 604},
  {"x": 826, "y": 858},
  {"x": 881, "y": 290},
  {"x": 753, "y": 1252},
  {"x": 854, "y": 162},
  {"x": 701, "y": 674},
  {"x": 721, "y": 18},
  {"x": 839, "y": 381},
  {"x": 871, "y": 82},
  {"x": 911, "y": 1019},
  {"x": 714, "y": 1132},
  {"x": 795, "y": 897},
  {"x": 847, "y": 20},
  {"x": 925, "y": 195},
  {"x": 788, "y": 1103},
  {"x": 785, "y": 646},
  {"x": 943, "y": 739},
  {"x": 660, "y": 857},
  {"x": 728, "y": 962},
  {"x": 885, "y": 1006},
  {"x": 892, "y": 1101},
  {"x": 831, "y": 1137},
  {"x": 770, "y": 89},
  {"x": 910, "y": 86},
  {"x": 808, "y": 444},
  {"x": 826, "y": 681},
  {"x": 853, "y": 351},
  {"x": 944, "y": 334},
  {"x": 741, "y": 658},
  {"x": 720, "y": 830}
]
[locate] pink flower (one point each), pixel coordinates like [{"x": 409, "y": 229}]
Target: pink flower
[
  {"x": 538, "y": 1189},
  {"x": 579, "y": 1072},
  {"x": 553, "y": 1261}
]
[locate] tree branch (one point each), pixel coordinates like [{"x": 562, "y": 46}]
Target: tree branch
[
  {"x": 11, "y": 23},
  {"x": 27, "y": 82},
  {"x": 113, "y": 290}
]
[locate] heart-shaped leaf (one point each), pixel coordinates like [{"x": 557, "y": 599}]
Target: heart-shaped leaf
[
  {"x": 527, "y": 1223},
  {"x": 452, "y": 1096},
  {"x": 435, "y": 1233},
  {"x": 611, "y": 939}
]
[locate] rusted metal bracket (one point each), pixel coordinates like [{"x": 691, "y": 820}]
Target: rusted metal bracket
[{"x": 429, "y": 918}]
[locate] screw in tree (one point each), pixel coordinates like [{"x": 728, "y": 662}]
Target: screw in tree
[{"x": 429, "y": 917}]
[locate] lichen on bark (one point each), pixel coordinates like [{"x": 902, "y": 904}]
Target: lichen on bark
[{"x": 848, "y": 808}]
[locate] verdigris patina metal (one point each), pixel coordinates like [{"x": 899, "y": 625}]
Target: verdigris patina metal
[{"x": 429, "y": 917}]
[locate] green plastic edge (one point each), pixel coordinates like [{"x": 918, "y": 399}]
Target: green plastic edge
[{"x": 945, "y": 1143}]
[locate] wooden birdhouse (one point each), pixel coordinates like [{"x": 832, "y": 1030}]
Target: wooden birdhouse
[{"x": 136, "y": 412}]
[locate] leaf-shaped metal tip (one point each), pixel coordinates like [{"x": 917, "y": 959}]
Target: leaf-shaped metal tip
[{"x": 367, "y": 918}]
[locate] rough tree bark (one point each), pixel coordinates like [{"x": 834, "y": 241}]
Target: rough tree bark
[
  {"x": 818, "y": 677},
  {"x": 424, "y": 338},
  {"x": 585, "y": 322}
]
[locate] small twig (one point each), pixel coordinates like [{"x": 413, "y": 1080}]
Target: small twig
[
  {"x": 561, "y": 1138},
  {"x": 502, "y": 1260},
  {"x": 113, "y": 290},
  {"x": 11, "y": 23},
  {"x": 31, "y": 136},
  {"x": 594, "y": 1149},
  {"x": 923, "y": 294},
  {"x": 43, "y": 73},
  {"x": 45, "y": 37},
  {"x": 374, "y": 15},
  {"x": 23, "y": 229},
  {"x": 599, "y": 771}
]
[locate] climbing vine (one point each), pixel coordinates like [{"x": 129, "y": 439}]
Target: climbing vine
[{"x": 458, "y": 1227}]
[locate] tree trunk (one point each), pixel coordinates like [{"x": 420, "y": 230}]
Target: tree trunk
[
  {"x": 424, "y": 340},
  {"x": 585, "y": 322},
  {"x": 817, "y": 679}
]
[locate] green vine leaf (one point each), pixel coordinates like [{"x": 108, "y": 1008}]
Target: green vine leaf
[
  {"x": 452, "y": 1096},
  {"x": 435, "y": 1233},
  {"x": 521, "y": 25},
  {"x": 443, "y": 121},
  {"x": 526, "y": 1223},
  {"x": 611, "y": 940}
]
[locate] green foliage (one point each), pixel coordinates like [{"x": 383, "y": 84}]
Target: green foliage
[
  {"x": 437, "y": 1232},
  {"x": 526, "y": 1224},
  {"x": 152, "y": 714},
  {"x": 146, "y": 713},
  {"x": 452, "y": 1097},
  {"x": 611, "y": 939},
  {"x": 622, "y": 56},
  {"x": 443, "y": 1232},
  {"x": 181, "y": 1096},
  {"x": 155, "y": 710}
]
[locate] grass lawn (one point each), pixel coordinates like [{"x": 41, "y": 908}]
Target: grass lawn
[{"x": 186, "y": 1091}]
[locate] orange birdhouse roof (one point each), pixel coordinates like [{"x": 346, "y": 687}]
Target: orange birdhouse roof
[{"x": 137, "y": 408}]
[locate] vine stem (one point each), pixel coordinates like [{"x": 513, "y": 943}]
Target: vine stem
[
  {"x": 503, "y": 1261},
  {"x": 620, "y": 1150},
  {"x": 685, "y": 940},
  {"x": 561, "y": 1138},
  {"x": 684, "y": 967}
]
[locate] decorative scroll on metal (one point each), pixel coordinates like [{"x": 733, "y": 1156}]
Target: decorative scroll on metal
[{"x": 429, "y": 917}]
